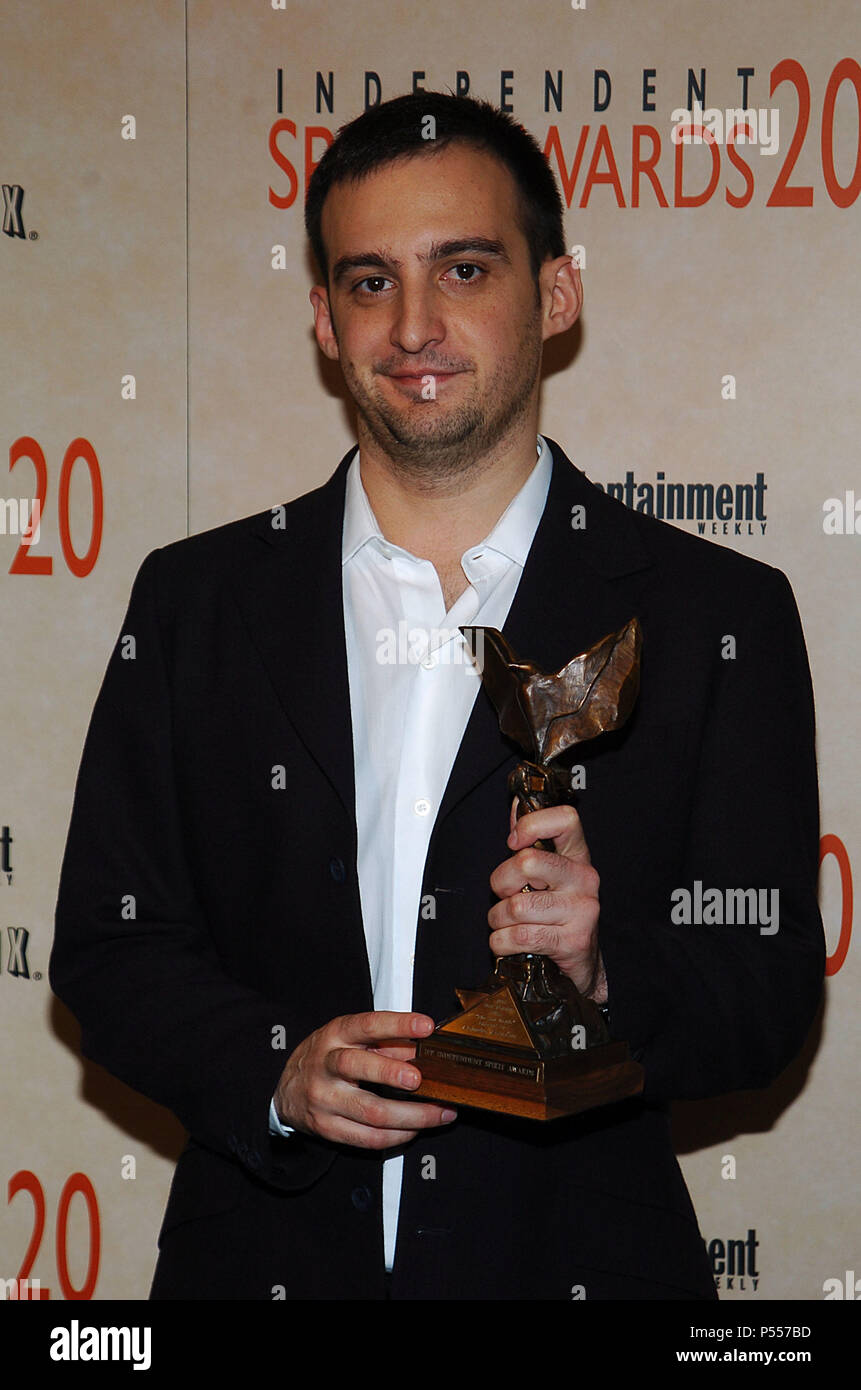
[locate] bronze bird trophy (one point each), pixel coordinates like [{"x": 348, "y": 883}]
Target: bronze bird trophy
[{"x": 526, "y": 1042}]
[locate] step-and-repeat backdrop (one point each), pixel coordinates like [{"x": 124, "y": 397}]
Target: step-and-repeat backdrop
[{"x": 160, "y": 377}]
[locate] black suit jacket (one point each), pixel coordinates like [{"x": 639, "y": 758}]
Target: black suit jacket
[{"x": 209, "y": 916}]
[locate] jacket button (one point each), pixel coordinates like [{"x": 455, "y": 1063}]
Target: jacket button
[
  {"x": 362, "y": 1198},
  {"x": 337, "y": 870}
]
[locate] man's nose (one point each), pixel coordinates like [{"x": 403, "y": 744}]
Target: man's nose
[{"x": 418, "y": 320}]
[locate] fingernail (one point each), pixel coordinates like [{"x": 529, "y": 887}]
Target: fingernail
[
  {"x": 409, "y": 1080},
  {"x": 448, "y": 1116}
]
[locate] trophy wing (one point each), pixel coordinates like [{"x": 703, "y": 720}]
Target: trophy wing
[
  {"x": 594, "y": 692},
  {"x": 504, "y": 678}
]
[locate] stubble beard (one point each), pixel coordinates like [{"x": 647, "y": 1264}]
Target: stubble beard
[{"x": 434, "y": 442}]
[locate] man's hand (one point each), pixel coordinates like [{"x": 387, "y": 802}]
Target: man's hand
[
  {"x": 560, "y": 918},
  {"x": 320, "y": 1089}
]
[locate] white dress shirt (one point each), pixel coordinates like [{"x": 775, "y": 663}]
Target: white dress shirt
[{"x": 412, "y": 687}]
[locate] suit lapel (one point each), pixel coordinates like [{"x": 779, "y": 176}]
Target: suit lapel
[{"x": 290, "y": 592}]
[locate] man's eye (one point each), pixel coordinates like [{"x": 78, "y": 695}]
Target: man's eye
[
  {"x": 472, "y": 272},
  {"x": 372, "y": 284}
]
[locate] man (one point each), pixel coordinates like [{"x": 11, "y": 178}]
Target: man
[{"x": 313, "y": 838}]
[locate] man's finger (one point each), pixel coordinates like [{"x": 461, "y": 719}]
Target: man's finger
[
  {"x": 382, "y": 1026},
  {"x": 542, "y": 941},
  {"x": 365, "y": 1064},
  {"x": 401, "y": 1053},
  {"x": 561, "y": 824},
  {"x": 378, "y": 1113},
  {"x": 544, "y": 872}
]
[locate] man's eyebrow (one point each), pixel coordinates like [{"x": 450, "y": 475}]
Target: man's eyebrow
[{"x": 437, "y": 251}]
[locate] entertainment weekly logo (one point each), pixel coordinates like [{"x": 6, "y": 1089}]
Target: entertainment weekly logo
[
  {"x": 7, "y": 840},
  {"x": 735, "y": 1263},
  {"x": 714, "y": 509},
  {"x": 14, "y": 940}
]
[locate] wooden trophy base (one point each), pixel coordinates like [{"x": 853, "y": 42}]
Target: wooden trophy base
[
  {"x": 490, "y": 1058},
  {"x": 513, "y": 1083}
]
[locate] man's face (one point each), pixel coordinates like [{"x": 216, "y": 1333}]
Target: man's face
[{"x": 432, "y": 308}]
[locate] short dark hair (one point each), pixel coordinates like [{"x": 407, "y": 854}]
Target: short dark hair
[{"x": 393, "y": 130}]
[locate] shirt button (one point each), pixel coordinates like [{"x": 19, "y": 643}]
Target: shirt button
[
  {"x": 429, "y": 661},
  {"x": 422, "y": 806}
]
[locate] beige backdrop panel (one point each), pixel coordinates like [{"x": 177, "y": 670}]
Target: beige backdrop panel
[
  {"x": 99, "y": 293},
  {"x": 677, "y": 300}
]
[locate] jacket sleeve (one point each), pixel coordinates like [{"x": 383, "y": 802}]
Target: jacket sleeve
[
  {"x": 132, "y": 957},
  {"x": 713, "y": 1006}
]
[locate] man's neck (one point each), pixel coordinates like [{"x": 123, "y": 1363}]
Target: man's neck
[{"x": 439, "y": 519}]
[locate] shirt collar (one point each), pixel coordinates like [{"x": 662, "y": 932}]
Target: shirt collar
[{"x": 512, "y": 535}]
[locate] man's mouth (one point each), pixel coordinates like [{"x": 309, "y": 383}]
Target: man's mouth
[
  {"x": 420, "y": 376},
  {"x": 421, "y": 380}
]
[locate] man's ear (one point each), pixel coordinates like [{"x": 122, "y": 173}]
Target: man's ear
[
  {"x": 561, "y": 295},
  {"x": 324, "y": 327}
]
